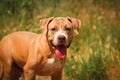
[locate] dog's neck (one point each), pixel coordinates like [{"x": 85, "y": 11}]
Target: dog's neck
[{"x": 44, "y": 46}]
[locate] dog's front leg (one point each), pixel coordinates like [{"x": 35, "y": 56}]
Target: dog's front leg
[
  {"x": 33, "y": 59},
  {"x": 57, "y": 76},
  {"x": 29, "y": 73}
]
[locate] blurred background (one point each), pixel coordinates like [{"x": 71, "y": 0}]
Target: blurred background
[{"x": 94, "y": 53}]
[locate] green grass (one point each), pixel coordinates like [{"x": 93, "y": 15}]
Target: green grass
[{"x": 94, "y": 53}]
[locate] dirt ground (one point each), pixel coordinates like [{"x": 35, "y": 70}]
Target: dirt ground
[
  {"x": 40, "y": 78},
  {"x": 45, "y": 78}
]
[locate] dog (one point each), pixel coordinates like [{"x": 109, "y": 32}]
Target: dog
[{"x": 38, "y": 54}]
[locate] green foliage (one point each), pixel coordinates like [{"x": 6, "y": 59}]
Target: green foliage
[{"x": 93, "y": 52}]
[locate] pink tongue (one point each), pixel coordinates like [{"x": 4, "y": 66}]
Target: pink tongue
[{"x": 61, "y": 52}]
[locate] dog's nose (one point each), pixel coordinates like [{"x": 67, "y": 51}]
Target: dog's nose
[{"x": 61, "y": 38}]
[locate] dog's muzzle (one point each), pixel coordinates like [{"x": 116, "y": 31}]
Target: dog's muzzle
[
  {"x": 60, "y": 38},
  {"x": 59, "y": 45}
]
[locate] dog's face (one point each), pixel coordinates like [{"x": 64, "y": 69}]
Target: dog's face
[{"x": 59, "y": 32}]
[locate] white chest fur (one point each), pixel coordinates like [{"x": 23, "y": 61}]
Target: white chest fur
[
  {"x": 54, "y": 62},
  {"x": 51, "y": 61}
]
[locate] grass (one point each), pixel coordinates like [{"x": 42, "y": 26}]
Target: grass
[{"x": 94, "y": 53}]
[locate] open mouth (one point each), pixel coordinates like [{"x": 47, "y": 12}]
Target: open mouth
[{"x": 60, "y": 51}]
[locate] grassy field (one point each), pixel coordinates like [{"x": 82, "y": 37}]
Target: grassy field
[{"x": 94, "y": 53}]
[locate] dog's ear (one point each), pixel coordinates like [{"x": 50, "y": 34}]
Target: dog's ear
[
  {"x": 76, "y": 24},
  {"x": 44, "y": 23}
]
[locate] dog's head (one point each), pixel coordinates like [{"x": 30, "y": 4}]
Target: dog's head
[{"x": 59, "y": 32}]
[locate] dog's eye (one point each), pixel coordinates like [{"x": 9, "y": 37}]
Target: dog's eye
[
  {"x": 53, "y": 29},
  {"x": 67, "y": 29}
]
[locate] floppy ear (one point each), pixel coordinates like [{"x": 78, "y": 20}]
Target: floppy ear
[
  {"x": 76, "y": 24},
  {"x": 44, "y": 23}
]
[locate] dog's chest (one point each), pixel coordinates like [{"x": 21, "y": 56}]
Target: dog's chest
[
  {"x": 52, "y": 66},
  {"x": 53, "y": 63}
]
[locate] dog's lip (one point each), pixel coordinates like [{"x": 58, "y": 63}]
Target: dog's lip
[{"x": 60, "y": 51}]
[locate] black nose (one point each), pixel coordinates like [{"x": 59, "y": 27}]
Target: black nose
[{"x": 61, "y": 38}]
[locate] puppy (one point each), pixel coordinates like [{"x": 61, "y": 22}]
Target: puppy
[{"x": 38, "y": 54}]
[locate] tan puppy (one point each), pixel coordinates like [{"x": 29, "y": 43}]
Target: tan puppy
[{"x": 38, "y": 54}]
